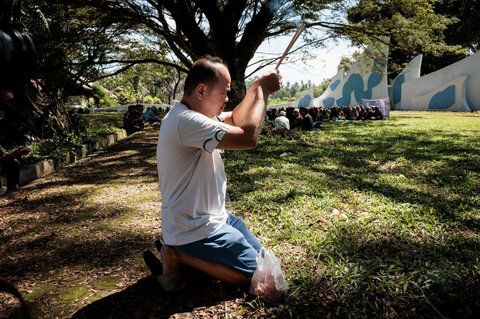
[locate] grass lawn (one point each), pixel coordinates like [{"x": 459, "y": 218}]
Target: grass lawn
[{"x": 375, "y": 219}]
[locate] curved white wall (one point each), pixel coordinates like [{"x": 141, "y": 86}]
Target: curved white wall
[
  {"x": 436, "y": 83},
  {"x": 409, "y": 73},
  {"x": 366, "y": 79}
]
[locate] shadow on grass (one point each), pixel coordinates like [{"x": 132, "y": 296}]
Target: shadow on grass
[
  {"x": 399, "y": 276},
  {"x": 145, "y": 299},
  {"x": 58, "y": 233},
  {"x": 360, "y": 162}
]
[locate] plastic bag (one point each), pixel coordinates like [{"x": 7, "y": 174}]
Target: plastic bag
[{"x": 268, "y": 281}]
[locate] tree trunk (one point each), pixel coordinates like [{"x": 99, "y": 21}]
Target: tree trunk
[{"x": 238, "y": 89}]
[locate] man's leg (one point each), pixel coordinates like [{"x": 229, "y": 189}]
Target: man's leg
[
  {"x": 225, "y": 255},
  {"x": 172, "y": 260},
  {"x": 237, "y": 223}
]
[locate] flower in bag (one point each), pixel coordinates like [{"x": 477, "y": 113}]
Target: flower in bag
[{"x": 268, "y": 281}]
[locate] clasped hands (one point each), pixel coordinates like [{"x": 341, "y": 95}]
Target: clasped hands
[{"x": 271, "y": 81}]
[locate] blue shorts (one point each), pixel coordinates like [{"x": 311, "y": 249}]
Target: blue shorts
[{"x": 232, "y": 245}]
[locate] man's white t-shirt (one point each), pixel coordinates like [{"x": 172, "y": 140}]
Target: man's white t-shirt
[{"x": 191, "y": 174}]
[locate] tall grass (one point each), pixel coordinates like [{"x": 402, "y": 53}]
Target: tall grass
[{"x": 374, "y": 219}]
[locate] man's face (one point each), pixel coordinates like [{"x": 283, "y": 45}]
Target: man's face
[{"x": 216, "y": 95}]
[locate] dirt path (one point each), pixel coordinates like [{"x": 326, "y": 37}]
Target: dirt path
[{"x": 72, "y": 243}]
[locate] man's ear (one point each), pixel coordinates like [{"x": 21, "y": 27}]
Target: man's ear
[{"x": 200, "y": 90}]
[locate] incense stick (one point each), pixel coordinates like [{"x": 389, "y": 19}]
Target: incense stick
[{"x": 294, "y": 39}]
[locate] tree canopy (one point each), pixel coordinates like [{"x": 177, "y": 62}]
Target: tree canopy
[
  {"x": 233, "y": 30},
  {"x": 84, "y": 40}
]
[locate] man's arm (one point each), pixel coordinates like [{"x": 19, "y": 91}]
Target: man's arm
[
  {"x": 247, "y": 118},
  {"x": 238, "y": 115}
]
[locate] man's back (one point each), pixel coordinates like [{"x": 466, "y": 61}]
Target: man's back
[{"x": 191, "y": 174}]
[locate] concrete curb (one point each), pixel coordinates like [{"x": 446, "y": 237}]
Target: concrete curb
[{"x": 46, "y": 167}]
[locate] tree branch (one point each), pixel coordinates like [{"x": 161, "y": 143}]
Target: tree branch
[{"x": 133, "y": 62}]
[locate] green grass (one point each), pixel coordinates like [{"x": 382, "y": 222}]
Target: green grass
[
  {"x": 102, "y": 122},
  {"x": 377, "y": 219},
  {"x": 87, "y": 129}
]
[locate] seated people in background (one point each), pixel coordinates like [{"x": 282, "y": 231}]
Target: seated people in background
[
  {"x": 369, "y": 115},
  {"x": 297, "y": 120},
  {"x": 325, "y": 115},
  {"x": 377, "y": 114},
  {"x": 307, "y": 120},
  {"x": 10, "y": 166},
  {"x": 361, "y": 112},
  {"x": 151, "y": 115},
  {"x": 282, "y": 121},
  {"x": 272, "y": 114},
  {"x": 314, "y": 113},
  {"x": 334, "y": 114},
  {"x": 354, "y": 113},
  {"x": 289, "y": 115},
  {"x": 133, "y": 119}
]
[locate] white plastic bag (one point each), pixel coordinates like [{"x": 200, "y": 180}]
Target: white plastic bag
[{"x": 268, "y": 281}]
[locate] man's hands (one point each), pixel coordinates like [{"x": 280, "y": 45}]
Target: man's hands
[{"x": 271, "y": 81}]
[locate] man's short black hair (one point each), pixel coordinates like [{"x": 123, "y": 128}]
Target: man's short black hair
[{"x": 204, "y": 70}]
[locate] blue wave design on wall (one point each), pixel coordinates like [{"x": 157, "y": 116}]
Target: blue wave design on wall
[
  {"x": 334, "y": 85},
  {"x": 328, "y": 102},
  {"x": 443, "y": 99},
  {"x": 397, "y": 88},
  {"x": 305, "y": 101},
  {"x": 374, "y": 79},
  {"x": 354, "y": 84}
]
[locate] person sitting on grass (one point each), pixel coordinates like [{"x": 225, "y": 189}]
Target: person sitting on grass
[
  {"x": 281, "y": 121},
  {"x": 307, "y": 120},
  {"x": 133, "y": 119},
  {"x": 10, "y": 166},
  {"x": 198, "y": 231},
  {"x": 151, "y": 115}
]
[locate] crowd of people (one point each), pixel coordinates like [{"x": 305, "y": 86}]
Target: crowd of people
[{"x": 310, "y": 119}]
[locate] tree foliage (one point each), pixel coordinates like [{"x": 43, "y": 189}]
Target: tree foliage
[
  {"x": 413, "y": 27},
  {"x": 84, "y": 40},
  {"x": 233, "y": 30},
  {"x": 74, "y": 46}
]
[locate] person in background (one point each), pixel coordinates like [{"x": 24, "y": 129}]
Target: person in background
[
  {"x": 133, "y": 119},
  {"x": 377, "y": 114},
  {"x": 282, "y": 121},
  {"x": 9, "y": 162},
  {"x": 151, "y": 115},
  {"x": 307, "y": 120},
  {"x": 10, "y": 167},
  {"x": 297, "y": 120}
]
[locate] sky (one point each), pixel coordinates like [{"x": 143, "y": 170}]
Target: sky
[{"x": 322, "y": 66}]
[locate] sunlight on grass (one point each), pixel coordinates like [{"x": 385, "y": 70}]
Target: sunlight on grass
[{"x": 385, "y": 216}]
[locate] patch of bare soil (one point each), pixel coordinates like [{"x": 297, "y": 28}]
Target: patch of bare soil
[{"x": 72, "y": 243}]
